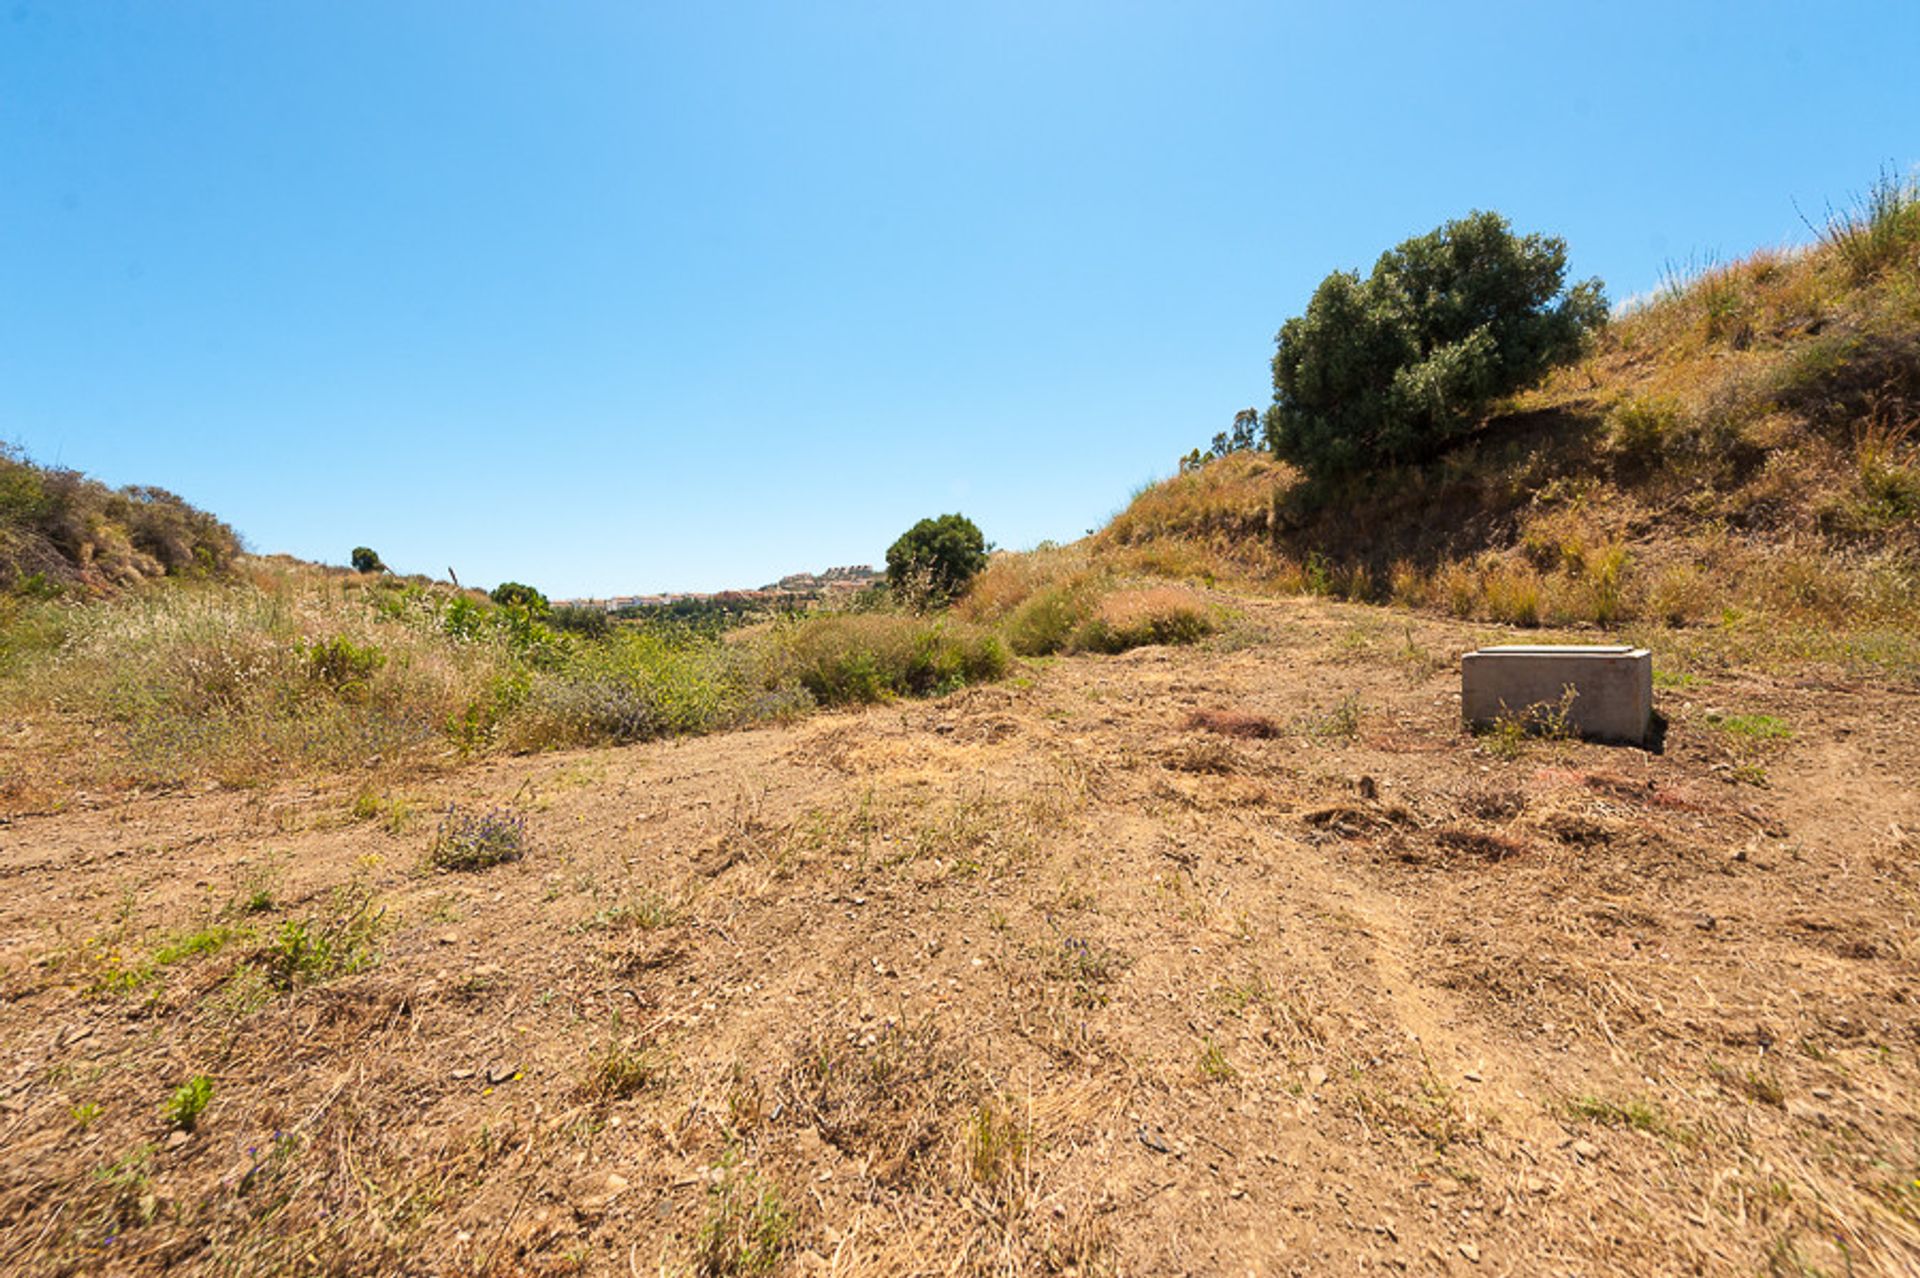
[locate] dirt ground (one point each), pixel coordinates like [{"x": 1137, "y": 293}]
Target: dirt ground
[{"x": 1047, "y": 976}]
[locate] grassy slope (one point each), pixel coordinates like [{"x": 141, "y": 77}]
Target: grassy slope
[{"x": 1737, "y": 458}]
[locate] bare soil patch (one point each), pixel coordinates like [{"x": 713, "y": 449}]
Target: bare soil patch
[{"x": 1074, "y": 974}]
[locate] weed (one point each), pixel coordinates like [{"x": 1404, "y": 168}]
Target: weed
[
  {"x": 746, "y": 1229},
  {"x": 1214, "y": 1066},
  {"x": 1507, "y": 735},
  {"x": 1881, "y": 228},
  {"x": 1342, "y": 722},
  {"x": 995, "y": 1145},
  {"x": 318, "y": 948},
  {"x": 188, "y": 1102},
  {"x": 880, "y": 1094},
  {"x": 1088, "y": 967},
  {"x": 621, "y": 1071},
  {"x": 647, "y": 912},
  {"x": 478, "y": 840},
  {"x": 83, "y": 1114},
  {"x": 1638, "y": 1115}
]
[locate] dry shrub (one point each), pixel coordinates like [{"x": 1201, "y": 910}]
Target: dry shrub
[
  {"x": 1679, "y": 594},
  {"x": 1511, "y": 593},
  {"x": 1229, "y": 498},
  {"x": 1408, "y": 586},
  {"x": 1233, "y": 723},
  {"x": 1151, "y": 615},
  {"x": 1009, "y": 579},
  {"x": 887, "y": 1092}
]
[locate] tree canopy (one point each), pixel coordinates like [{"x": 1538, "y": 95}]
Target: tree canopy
[
  {"x": 1395, "y": 366},
  {"x": 939, "y": 556}
]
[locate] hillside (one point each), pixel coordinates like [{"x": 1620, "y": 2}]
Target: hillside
[
  {"x": 60, "y": 531},
  {"x": 1739, "y": 451},
  {"x": 1148, "y": 910}
]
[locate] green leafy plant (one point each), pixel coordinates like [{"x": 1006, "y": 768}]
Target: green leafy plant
[
  {"x": 936, "y": 557},
  {"x": 513, "y": 594},
  {"x": 336, "y": 942},
  {"x": 1394, "y": 367},
  {"x": 366, "y": 559},
  {"x": 188, "y": 1102}
]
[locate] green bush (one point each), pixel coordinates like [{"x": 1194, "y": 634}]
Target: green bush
[
  {"x": 365, "y": 559},
  {"x": 341, "y": 664},
  {"x": 936, "y": 557},
  {"x": 513, "y": 594},
  {"x": 1394, "y": 367},
  {"x": 865, "y": 657}
]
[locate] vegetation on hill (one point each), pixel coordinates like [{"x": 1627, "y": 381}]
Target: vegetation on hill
[
  {"x": 936, "y": 558},
  {"x": 61, "y": 531},
  {"x": 1735, "y": 459},
  {"x": 1396, "y": 366}
]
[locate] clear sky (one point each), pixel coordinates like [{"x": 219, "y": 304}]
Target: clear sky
[{"x": 624, "y": 296}]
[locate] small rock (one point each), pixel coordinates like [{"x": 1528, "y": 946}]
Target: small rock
[
  {"x": 500, "y": 1073},
  {"x": 1470, "y": 1251},
  {"x": 1316, "y": 1076},
  {"x": 616, "y": 1182},
  {"x": 1586, "y": 1150},
  {"x": 463, "y": 1073},
  {"x": 177, "y": 1140}
]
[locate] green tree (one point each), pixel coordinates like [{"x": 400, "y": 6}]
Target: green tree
[
  {"x": 938, "y": 555},
  {"x": 365, "y": 560},
  {"x": 1396, "y": 366},
  {"x": 509, "y": 593}
]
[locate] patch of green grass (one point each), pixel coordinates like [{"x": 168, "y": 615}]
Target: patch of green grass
[
  {"x": 183, "y": 1109},
  {"x": 114, "y": 974},
  {"x": 83, "y": 1114},
  {"x": 1754, "y": 727},
  {"x": 1675, "y": 679},
  {"x": 622, "y": 1070}
]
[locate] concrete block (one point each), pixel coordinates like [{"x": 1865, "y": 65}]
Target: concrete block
[{"x": 1612, "y": 686}]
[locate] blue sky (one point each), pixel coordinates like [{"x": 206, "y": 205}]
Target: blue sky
[{"x": 623, "y": 296}]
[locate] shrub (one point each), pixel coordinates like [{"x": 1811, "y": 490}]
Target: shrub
[
  {"x": 366, "y": 559},
  {"x": 578, "y": 620},
  {"x": 60, "y": 528},
  {"x": 864, "y": 657},
  {"x": 1643, "y": 430},
  {"x": 510, "y": 594},
  {"x": 640, "y": 683},
  {"x": 1045, "y": 622},
  {"x": 342, "y": 665},
  {"x": 939, "y": 556},
  {"x": 478, "y": 840},
  {"x": 1394, "y": 367},
  {"x": 1154, "y": 615}
]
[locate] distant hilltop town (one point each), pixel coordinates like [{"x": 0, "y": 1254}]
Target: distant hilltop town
[{"x": 794, "y": 590}]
